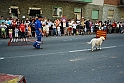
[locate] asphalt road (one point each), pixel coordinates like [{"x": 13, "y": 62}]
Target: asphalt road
[{"x": 66, "y": 59}]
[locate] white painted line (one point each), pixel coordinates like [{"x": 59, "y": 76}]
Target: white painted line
[
  {"x": 73, "y": 60},
  {"x": 90, "y": 49},
  {"x": 110, "y": 47},
  {"x": 2, "y": 58},
  {"x": 80, "y": 50},
  {"x": 72, "y": 51},
  {"x": 34, "y": 55}
]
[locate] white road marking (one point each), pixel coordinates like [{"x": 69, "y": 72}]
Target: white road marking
[
  {"x": 31, "y": 55},
  {"x": 72, "y": 51},
  {"x": 80, "y": 50},
  {"x": 90, "y": 49},
  {"x": 70, "y": 39},
  {"x": 121, "y": 72},
  {"x": 73, "y": 60},
  {"x": 93, "y": 69},
  {"x": 2, "y": 58},
  {"x": 109, "y": 47}
]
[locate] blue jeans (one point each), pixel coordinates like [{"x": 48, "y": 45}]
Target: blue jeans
[{"x": 54, "y": 31}]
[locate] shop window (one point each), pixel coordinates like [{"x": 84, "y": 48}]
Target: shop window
[
  {"x": 57, "y": 11},
  {"x": 110, "y": 13},
  {"x": 95, "y": 14}
]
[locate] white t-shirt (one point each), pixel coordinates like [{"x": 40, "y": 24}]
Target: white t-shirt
[
  {"x": 54, "y": 26},
  {"x": 74, "y": 26},
  {"x": 58, "y": 28},
  {"x": 70, "y": 24},
  {"x": 64, "y": 24}
]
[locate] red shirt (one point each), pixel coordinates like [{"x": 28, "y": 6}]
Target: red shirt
[
  {"x": 114, "y": 25},
  {"x": 22, "y": 27},
  {"x": 14, "y": 23}
]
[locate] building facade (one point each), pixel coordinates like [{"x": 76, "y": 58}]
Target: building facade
[
  {"x": 52, "y": 9},
  {"x": 112, "y": 10}
]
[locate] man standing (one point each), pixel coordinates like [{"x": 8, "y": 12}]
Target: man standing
[
  {"x": 87, "y": 23},
  {"x": 38, "y": 30}
]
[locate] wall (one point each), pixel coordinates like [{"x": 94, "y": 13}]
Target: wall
[
  {"x": 98, "y": 2},
  {"x": 46, "y": 6},
  {"x": 112, "y": 2},
  {"x": 112, "y": 5},
  {"x": 88, "y": 11},
  {"x": 68, "y": 8}
]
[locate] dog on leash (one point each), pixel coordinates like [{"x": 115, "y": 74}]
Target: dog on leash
[{"x": 96, "y": 42}]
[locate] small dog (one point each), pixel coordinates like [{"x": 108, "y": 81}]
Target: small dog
[{"x": 96, "y": 42}]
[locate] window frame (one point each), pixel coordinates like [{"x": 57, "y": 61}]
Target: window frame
[
  {"x": 122, "y": 15},
  {"x": 95, "y": 12},
  {"x": 110, "y": 13},
  {"x": 57, "y": 15}
]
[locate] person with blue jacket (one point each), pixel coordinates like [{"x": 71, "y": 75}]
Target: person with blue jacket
[{"x": 38, "y": 30}]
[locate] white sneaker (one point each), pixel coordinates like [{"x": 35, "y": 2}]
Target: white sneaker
[
  {"x": 13, "y": 40},
  {"x": 23, "y": 39}
]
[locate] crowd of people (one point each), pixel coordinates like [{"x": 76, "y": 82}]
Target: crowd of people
[{"x": 15, "y": 28}]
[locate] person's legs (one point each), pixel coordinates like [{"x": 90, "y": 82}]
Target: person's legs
[
  {"x": 16, "y": 36},
  {"x": 38, "y": 41},
  {"x": 4, "y": 34}
]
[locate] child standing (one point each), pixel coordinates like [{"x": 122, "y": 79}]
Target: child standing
[
  {"x": 3, "y": 29},
  {"x": 92, "y": 28},
  {"x": 74, "y": 25},
  {"x": 58, "y": 31},
  {"x": 10, "y": 34},
  {"x": 54, "y": 29},
  {"x": 16, "y": 34},
  {"x": 47, "y": 29},
  {"x": 22, "y": 28},
  {"x": 29, "y": 31}
]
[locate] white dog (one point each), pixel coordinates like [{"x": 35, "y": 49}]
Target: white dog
[{"x": 96, "y": 42}]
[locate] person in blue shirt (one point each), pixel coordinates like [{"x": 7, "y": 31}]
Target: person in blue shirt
[{"x": 38, "y": 31}]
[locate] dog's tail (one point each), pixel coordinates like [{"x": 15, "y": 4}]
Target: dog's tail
[{"x": 89, "y": 42}]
